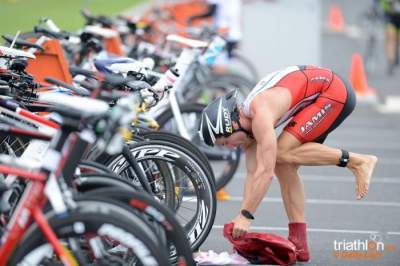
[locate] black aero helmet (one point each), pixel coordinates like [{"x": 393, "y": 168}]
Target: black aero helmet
[{"x": 217, "y": 117}]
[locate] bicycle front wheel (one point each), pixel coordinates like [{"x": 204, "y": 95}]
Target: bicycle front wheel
[{"x": 93, "y": 236}]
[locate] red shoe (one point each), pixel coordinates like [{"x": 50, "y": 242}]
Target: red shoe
[{"x": 298, "y": 236}]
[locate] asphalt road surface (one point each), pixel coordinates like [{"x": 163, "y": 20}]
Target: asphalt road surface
[{"x": 281, "y": 33}]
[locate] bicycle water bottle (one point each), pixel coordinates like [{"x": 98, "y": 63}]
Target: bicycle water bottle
[
  {"x": 213, "y": 51},
  {"x": 168, "y": 79}
]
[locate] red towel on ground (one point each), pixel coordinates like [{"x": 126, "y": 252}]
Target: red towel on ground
[{"x": 262, "y": 248}]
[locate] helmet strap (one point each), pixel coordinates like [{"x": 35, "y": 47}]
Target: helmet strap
[{"x": 235, "y": 117}]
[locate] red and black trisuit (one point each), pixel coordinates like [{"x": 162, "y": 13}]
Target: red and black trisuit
[{"x": 321, "y": 100}]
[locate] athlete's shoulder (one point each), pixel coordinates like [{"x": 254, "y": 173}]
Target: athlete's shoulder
[{"x": 271, "y": 101}]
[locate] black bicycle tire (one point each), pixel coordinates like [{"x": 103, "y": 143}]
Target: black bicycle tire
[
  {"x": 204, "y": 165},
  {"x": 169, "y": 198},
  {"x": 173, "y": 138},
  {"x": 88, "y": 182},
  {"x": 34, "y": 237},
  {"x": 95, "y": 166},
  {"x": 173, "y": 229},
  {"x": 127, "y": 210},
  {"x": 205, "y": 181}
]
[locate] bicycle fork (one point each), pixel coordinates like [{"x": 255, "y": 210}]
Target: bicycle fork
[{"x": 126, "y": 152}]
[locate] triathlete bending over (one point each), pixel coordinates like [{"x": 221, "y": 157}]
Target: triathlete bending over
[{"x": 318, "y": 100}]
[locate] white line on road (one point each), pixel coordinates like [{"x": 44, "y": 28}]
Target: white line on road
[
  {"x": 364, "y": 145},
  {"x": 394, "y": 233},
  {"x": 327, "y": 201},
  {"x": 349, "y": 179},
  {"x": 317, "y": 230},
  {"x": 351, "y": 131}
]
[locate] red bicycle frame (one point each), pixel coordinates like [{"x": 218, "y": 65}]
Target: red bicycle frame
[
  {"x": 27, "y": 115},
  {"x": 29, "y": 209},
  {"x": 37, "y": 118}
]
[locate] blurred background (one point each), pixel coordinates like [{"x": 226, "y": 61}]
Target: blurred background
[
  {"x": 275, "y": 34},
  {"x": 21, "y": 15}
]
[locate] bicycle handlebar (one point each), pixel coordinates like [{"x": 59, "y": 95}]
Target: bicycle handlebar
[
  {"x": 80, "y": 71},
  {"x": 80, "y": 91},
  {"x": 9, "y": 104}
]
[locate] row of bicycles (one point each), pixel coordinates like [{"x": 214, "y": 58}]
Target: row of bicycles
[{"x": 100, "y": 160}]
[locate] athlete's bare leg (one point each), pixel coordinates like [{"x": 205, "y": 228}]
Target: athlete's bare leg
[
  {"x": 292, "y": 191},
  {"x": 292, "y": 188},
  {"x": 315, "y": 154}
]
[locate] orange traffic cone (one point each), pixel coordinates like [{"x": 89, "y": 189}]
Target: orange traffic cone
[
  {"x": 223, "y": 195},
  {"x": 358, "y": 79},
  {"x": 336, "y": 21}
]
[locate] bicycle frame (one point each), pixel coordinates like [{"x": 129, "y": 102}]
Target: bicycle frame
[
  {"x": 45, "y": 124},
  {"x": 27, "y": 116},
  {"x": 187, "y": 69},
  {"x": 29, "y": 210},
  {"x": 185, "y": 60}
]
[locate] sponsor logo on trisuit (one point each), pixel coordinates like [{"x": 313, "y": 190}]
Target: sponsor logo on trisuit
[{"x": 316, "y": 119}]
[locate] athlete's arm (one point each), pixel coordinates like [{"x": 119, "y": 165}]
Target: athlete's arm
[
  {"x": 265, "y": 110},
  {"x": 258, "y": 180},
  {"x": 251, "y": 166},
  {"x": 260, "y": 163}
]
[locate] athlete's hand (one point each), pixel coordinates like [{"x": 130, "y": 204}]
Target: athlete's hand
[{"x": 241, "y": 226}]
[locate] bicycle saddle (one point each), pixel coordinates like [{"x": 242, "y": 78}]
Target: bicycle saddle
[
  {"x": 104, "y": 65},
  {"x": 75, "y": 106},
  {"x": 22, "y": 43}
]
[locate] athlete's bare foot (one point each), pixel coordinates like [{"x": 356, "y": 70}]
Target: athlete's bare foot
[{"x": 362, "y": 167}]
